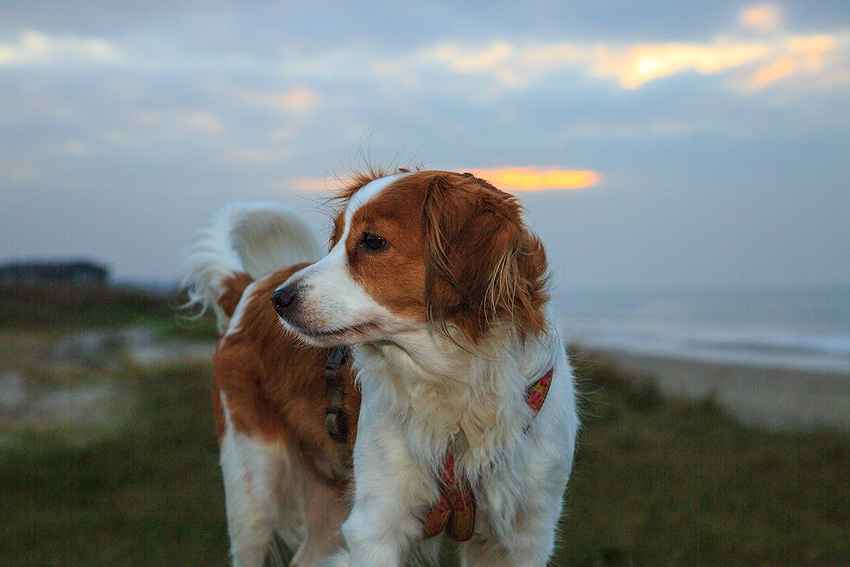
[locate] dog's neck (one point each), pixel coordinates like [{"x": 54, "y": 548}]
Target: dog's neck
[{"x": 450, "y": 394}]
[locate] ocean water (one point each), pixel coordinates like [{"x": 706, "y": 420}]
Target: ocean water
[{"x": 801, "y": 328}]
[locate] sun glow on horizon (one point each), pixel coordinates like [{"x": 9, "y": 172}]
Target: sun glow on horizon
[
  {"x": 508, "y": 179},
  {"x": 537, "y": 179}
]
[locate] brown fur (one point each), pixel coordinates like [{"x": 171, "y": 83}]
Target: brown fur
[
  {"x": 483, "y": 264},
  {"x": 395, "y": 276},
  {"x": 234, "y": 286},
  {"x": 275, "y": 386}
]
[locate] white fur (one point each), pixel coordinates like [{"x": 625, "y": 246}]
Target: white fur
[
  {"x": 367, "y": 193},
  {"x": 424, "y": 394},
  {"x": 256, "y": 238},
  {"x": 253, "y": 471},
  {"x": 234, "y": 325},
  {"x": 269, "y": 489}
]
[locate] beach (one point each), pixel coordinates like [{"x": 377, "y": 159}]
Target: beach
[{"x": 776, "y": 397}]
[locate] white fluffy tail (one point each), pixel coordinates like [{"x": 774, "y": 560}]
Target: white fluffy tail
[{"x": 256, "y": 238}]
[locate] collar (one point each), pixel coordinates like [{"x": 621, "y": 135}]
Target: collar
[{"x": 454, "y": 512}]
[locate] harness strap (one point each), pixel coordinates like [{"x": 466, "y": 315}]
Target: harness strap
[
  {"x": 336, "y": 420},
  {"x": 454, "y": 512}
]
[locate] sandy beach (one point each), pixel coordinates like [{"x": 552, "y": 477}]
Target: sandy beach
[{"x": 775, "y": 397}]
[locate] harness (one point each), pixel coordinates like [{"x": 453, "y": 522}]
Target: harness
[
  {"x": 336, "y": 420},
  {"x": 454, "y": 512}
]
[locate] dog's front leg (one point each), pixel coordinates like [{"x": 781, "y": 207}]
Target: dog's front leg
[
  {"x": 389, "y": 487},
  {"x": 374, "y": 544},
  {"x": 519, "y": 533}
]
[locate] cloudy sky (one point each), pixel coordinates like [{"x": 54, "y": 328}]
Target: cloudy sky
[{"x": 669, "y": 143}]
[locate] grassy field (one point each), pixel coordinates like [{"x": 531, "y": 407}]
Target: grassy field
[{"x": 656, "y": 481}]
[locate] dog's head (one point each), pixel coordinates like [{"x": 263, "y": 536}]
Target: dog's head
[{"x": 429, "y": 250}]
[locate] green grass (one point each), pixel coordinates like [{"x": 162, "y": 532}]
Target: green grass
[
  {"x": 665, "y": 482},
  {"x": 656, "y": 481},
  {"x": 151, "y": 495}
]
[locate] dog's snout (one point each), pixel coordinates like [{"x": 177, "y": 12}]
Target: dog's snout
[{"x": 285, "y": 299}]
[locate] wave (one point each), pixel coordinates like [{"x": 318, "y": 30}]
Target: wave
[
  {"x": 800, "y": 328},
  {"x": 829, "y": 353}
]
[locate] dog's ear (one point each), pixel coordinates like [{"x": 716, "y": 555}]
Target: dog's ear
[{"x": 483, "y": 266}]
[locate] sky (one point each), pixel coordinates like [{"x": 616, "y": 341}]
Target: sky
[{"x": 655, "y": 144}]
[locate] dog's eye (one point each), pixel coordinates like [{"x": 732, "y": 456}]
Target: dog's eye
[{"x": 373, "y": 241}]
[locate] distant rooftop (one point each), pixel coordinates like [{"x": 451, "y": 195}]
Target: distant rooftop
[{"x": 38, "y": 272}]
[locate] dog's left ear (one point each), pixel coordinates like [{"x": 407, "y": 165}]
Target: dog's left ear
[{"x": 483, "y": 266}]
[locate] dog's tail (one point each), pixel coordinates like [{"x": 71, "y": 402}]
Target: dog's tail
[{"x": 243, "y": 238}]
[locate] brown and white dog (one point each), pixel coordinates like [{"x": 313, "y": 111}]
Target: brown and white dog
[
  {"x": 282, "y": 471},
  {"x": 439, "y": 288}
]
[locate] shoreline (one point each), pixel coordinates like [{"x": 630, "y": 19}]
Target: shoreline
[{"x": 778, "y": 398}]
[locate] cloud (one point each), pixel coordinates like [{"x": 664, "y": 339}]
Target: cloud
[
  {"x": 762, "y": 18},
  {"x": 260, "y": 155},
  {"x": 537, "y": 179},
  {"x": 39, "y": 49},
  {"x": 179, "y": 120},
  {"x": 306, "y": 184},
  {"x": 779, "y": 69},
  {"x": 19, "y": 173},
  {"x": 637, "y": 65},
  {"x": 287, "y": 100},
  {"x": 77, "y": 148},
  {"x": 297, "y": 99},
  {"x": 816, "y": 58},
  {"x": 746, "y": 61},
  {"x": 764, "y": 60},
  {"x": 496, "y": 58},
  {"x": 633, "y": 66}
]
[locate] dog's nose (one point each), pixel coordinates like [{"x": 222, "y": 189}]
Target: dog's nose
[{"x": 285, "y": 299}]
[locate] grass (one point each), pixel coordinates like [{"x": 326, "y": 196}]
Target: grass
[
  {"x": 656, "y": 481},
  {"x": 666, "y": 482},
  {"x": 151, "y": 495}
]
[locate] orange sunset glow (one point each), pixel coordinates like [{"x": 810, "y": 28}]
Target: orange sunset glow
[{"x": 535, "y": 179}]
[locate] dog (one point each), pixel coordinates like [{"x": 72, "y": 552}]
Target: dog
[
  {"x": 468, "y": 418},
  {"x": 282, "y": 471}
]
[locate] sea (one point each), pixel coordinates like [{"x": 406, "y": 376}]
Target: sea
[{"x": 792, "y": 328}]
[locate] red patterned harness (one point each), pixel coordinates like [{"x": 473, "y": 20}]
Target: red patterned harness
[{"x": 454, "y": 512}]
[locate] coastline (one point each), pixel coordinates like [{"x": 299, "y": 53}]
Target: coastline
[{"x": 778, "y": 398}]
